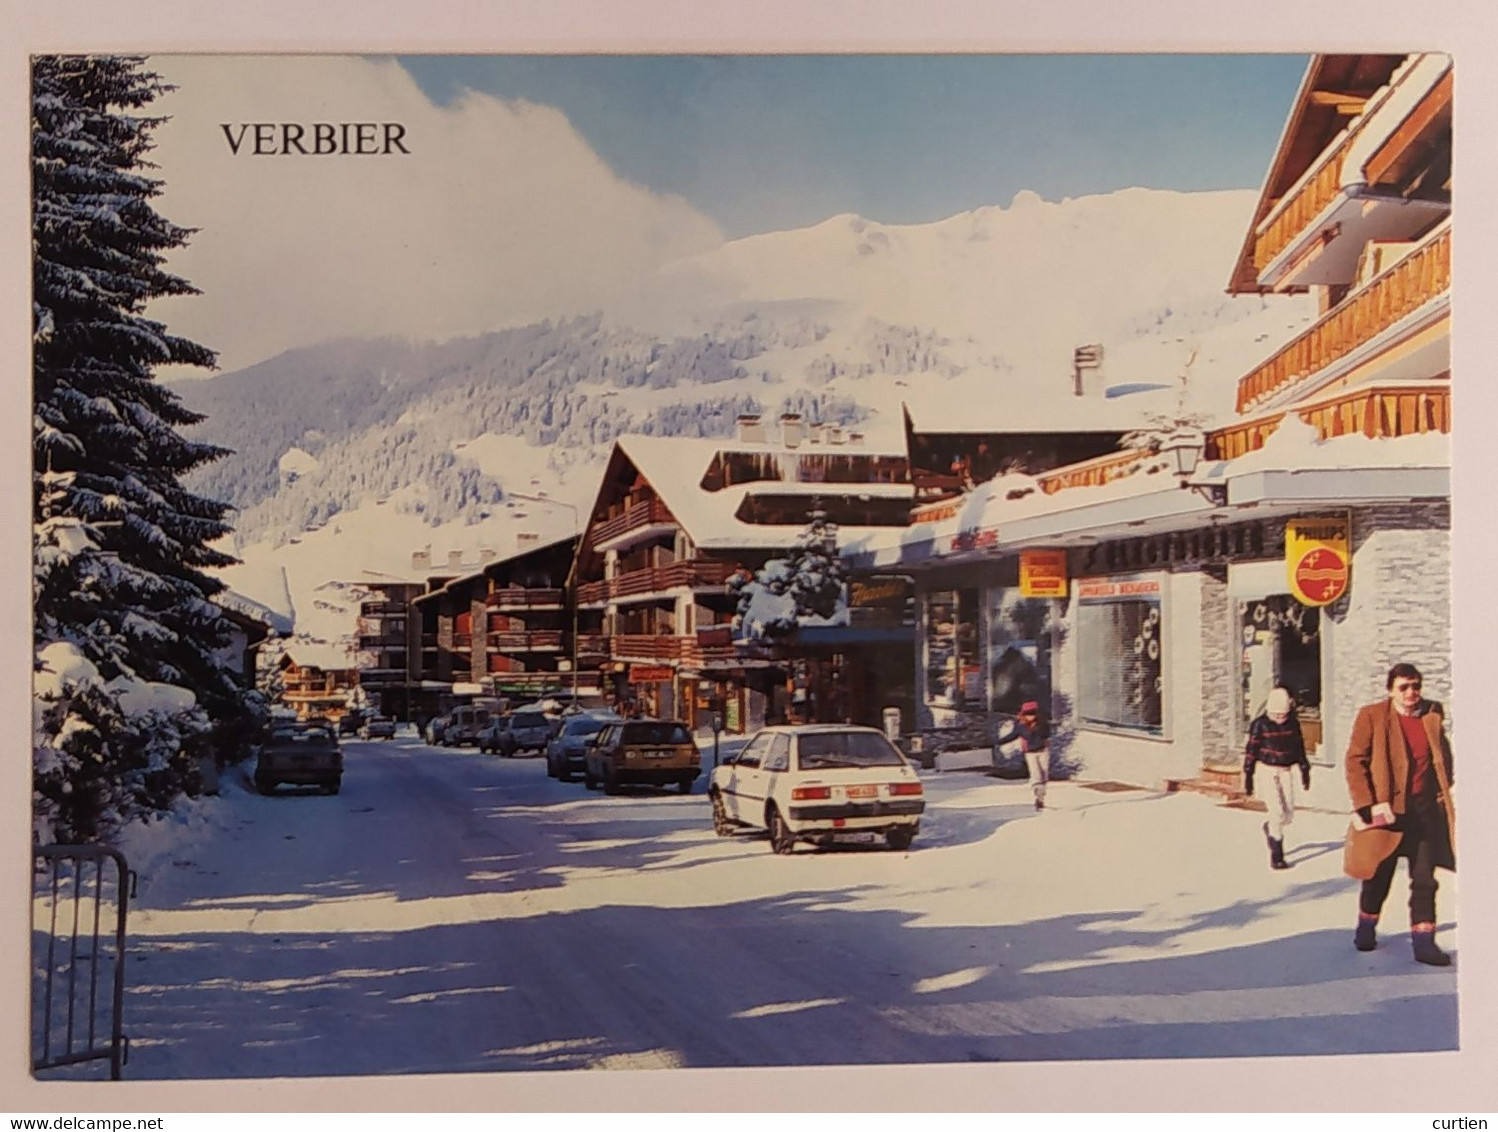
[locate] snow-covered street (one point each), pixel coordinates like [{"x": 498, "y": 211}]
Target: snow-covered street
[{"x": 456, "y": 912}]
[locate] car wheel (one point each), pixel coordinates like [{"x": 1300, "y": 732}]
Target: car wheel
[
  {"x": 900, "y": 837},
  {"x": 332, "y": 787},
  {"x": 782, "y": 840},
  {"x": 589, "y": 781},
  {"x": 611, "y": 783},
  {"x": 722, "y": 823},
  {"x": 685, "y": 785},
  {"x": 564, "y": 774}
]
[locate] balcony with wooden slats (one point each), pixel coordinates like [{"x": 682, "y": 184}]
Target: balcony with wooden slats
[
  {"x": 1392, "y": 295},
  {"x": 1382, "y": 410},
  {"x": 593, "y": 645},
  {"x": 1093, "y": 473},
  {"x": 519, "y": 597},
  {"x": 539, "y": 640},
  {"x": 648, "y": 513},
  {"x": 651, "y": 647},
  {"x": 699, "y": 573}
]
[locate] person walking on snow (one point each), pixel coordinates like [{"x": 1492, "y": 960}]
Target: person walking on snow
[
  {"x": 1399, "y": 773},
  {"x": 1274, "y": 752},
  {"x": 1031, "y": 734}
]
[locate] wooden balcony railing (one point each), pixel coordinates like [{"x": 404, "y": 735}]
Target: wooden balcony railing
[
  {"x": 593, "y": 645},
  {"x": 695, "y": 572},
  {"x": 1390, "y": 296},
  {"x": 539, "y": 639},
  {"x": 1094, "y": 473},
  {"x": 1381, "y": 410},
  {"x": 640, "y": 515},
  {"x": 518, "y": 597},
  {"x": 642, "y": 646},
  {"x": 382, "y": 608}
]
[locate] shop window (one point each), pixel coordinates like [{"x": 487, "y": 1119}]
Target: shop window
[
  {"x": 1120, "y": 654},
  {"x": 1019, "y": 651},
  {"x": 954, "y": 676}
]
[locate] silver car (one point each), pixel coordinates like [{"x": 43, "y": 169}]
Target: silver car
[
  {"x": 528, "y": 731},
  {"x": 566, "y": 752}
]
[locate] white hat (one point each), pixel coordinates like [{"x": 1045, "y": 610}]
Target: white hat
[{"x": 1279, "y": 702}]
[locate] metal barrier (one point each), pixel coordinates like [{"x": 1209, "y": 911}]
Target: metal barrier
[{"x": 72, "y": 887}]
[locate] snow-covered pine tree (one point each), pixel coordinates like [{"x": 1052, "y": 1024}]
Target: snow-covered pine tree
[
  {"x": 786, "y": 592},
  {"x": 121, "y": 547}
]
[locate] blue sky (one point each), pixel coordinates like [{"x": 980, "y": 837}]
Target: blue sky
[{"x": 761, "y": 143}]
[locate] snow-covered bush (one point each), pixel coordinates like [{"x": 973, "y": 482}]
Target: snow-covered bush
[{"x": 807, "y": 587}]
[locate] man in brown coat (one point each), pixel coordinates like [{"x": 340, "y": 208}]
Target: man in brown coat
[{"x": 1399, "y": 775}]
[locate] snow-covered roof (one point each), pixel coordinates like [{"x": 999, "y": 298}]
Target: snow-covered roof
[
  {"x": 256, "y": 611},
  {"x": 329, "y": 658},
  {"x": 1062, "y": 413},
  {"x": 1292, "y": 467},
  {"x": 675, "y": 466}
]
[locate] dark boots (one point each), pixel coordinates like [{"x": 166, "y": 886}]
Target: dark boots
[
  {"x": 1276, "y": 850},
  {"x": 1364, "y": 938},
  {"x": 1423, "y": 939}
]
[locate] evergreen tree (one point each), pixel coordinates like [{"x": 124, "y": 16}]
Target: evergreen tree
[
  {"x": 121, "y": 547},
  {"x": 785, "y": 592}
]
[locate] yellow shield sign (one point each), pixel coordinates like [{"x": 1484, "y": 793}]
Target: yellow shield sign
[{"x": 1318, "y": 558}]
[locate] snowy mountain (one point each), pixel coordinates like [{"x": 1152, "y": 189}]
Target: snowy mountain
[{"x": 844, "y": 321}]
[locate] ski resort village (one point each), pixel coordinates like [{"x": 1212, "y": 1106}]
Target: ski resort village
[{"x": 775, "y": 643}]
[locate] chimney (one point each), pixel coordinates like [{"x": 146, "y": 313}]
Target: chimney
[
  {"x": 421, "y": 560},
  {"x": 792, "y": 431},
  {"x": 454, "y": 559},
  {"x": 814, "y": 433},
  {"x": 855, "y": 438},
  {"x": 751, "y": 429},
  {"x": 487, "y": 554},
  {"x": 526, "y": 538},
  {"x": 1087, "y": 371},
  {"x": 834, "y": 434}
]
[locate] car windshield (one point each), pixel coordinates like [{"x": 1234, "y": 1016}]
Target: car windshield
[
  {"x": 656, "y": 733},
  {"x": 845, "y": 749},
  {"x": 528, "y": 719}
]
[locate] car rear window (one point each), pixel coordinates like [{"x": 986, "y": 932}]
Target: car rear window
[
  {"x": 587, "y": 726},
  {"x": 312, "y": 737},
  {"x": 846, "y": 748},
  {"x": 528, "y": 719},
  {"x": 656, "y": 733}
]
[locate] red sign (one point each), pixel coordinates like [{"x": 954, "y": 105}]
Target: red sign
[
  {"x": 1118, "y": 589},
  {"x": 650, "y": 673},
  {"x": 1321, "y": 575},
  {"x": 1042, "y": 573}
]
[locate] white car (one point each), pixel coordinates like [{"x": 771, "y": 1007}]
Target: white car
[{"x": 820, "y": 783}]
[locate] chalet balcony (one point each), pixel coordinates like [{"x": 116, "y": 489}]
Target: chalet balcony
[
  {"x": 540, "y": 640},
  {"x": 698, "y": 573},
  {"x": 636, "y": 523},
  {"x": 1392, "y": 295},
  {"x": 518, "y": 597},
  {"x": 647, "y": 646},
  {"x": 1094, "y": 473},
  {"x": 593, "y": 645},
  {"x": 1320, "y": 204},
  {"x": 381, "y": 608},
  {"x": 383, "y": 641},
  {"x": 1383, "y": 409}
]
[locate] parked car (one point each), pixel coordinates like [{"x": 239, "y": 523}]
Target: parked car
[
  {"x": 302, "y": 754},
  {"x": 529, "y": 730},
  {"x": 351, "y": 721},
  {"x": 819, "y": 783},
  {"x": 464, "y": 724},
  {"x": 644, "y": 752},
  {"x": 491, "y": 738},
  {"x": 436, "y": 729},
  {"x": 566, "y": 751},
  {"x": 378, "y": 727}
]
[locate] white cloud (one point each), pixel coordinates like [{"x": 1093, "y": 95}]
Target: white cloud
[{"x": 501, "y": 214}]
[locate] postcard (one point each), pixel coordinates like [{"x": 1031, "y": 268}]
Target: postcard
[{"x": 625, "y": 565}]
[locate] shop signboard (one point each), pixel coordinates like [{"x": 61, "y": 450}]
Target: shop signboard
[
  {"x": 1042, "y": 573},
  {"x": 1318, "y": 558},
  {"x": 650, "y": 673}
]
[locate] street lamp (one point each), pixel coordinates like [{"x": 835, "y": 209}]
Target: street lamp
[
  {"x": 1184, "y": 447},
  {"x": 542, "y": 497}
]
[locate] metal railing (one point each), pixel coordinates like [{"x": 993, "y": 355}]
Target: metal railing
[{"x": 70, "y": 892}]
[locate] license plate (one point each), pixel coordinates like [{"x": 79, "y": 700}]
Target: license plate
[
  {"x": 658, "y": 754},
  {"x": 862, "y": 837},
  {"x": 863, "y": 791}
]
